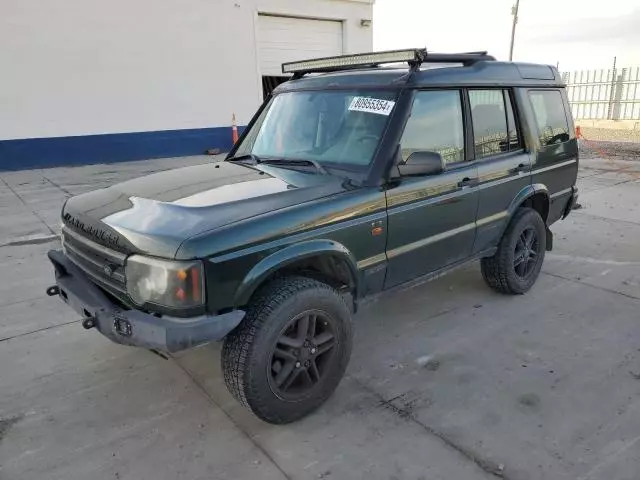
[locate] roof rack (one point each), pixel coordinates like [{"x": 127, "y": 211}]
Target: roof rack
[{"x": 414, "y": 57}]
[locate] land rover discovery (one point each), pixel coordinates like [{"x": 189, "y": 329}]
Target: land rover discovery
[{"x": 352, "y": 179}]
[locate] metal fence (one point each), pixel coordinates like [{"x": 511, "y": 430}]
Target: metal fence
[{"x": 608, "y": 94}]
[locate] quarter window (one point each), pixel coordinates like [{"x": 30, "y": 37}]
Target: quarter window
[
  {"x": 494, "y": 126},
  {"x": 551, "y": 119},
  {"x": 435, "y": 125}
]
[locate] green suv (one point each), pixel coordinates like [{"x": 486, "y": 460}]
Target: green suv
[{"x": 352, "y": 179}]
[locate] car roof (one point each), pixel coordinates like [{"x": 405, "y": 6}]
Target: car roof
[{"x": 481, "y": 73}]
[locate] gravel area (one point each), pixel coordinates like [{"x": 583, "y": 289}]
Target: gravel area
[
  {"x": 610, "y": 134},
  {"x": 610, "y": 150}
]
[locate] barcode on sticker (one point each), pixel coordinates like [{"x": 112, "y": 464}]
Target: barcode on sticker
[{"x": 371, "y": 105}]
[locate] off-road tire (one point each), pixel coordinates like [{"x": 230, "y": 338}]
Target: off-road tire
[
  {"x": 246, "y": 353},
  {"x": 499, "y": 271}
]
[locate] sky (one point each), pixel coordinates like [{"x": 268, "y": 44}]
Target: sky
[{"x": 584, "y": 34}]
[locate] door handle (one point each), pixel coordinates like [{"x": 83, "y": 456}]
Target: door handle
[{"x": 467, "y": 182}]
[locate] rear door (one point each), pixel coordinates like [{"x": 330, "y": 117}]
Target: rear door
[
  {"x": 556, "y": 162},
  {"x": 431, "y": 219},
  {"x": 503, "y": 164}
]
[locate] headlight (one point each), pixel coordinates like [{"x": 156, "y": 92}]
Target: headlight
[{"x": 176, "y": 285}]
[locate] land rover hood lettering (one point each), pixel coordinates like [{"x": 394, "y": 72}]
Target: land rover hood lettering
[{"x": 106, "y": 237}]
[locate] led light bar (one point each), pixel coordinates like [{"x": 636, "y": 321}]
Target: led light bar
[{"x": 412, "y": 56}]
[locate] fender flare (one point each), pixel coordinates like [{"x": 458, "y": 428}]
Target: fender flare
[
  {"x": 289, "y": 255},
  {"x": 522, "y": 196},
  {"x": 526, "y": 193}
]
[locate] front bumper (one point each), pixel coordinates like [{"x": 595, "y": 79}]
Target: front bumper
[{"x": 133, "y": 327}]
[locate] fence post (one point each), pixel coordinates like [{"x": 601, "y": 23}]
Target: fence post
[
  {"x": 618, "y": 111},
  {"x": 612, "y": 92}
]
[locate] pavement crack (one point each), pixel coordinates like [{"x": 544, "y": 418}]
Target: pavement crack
[
  {"x": 596, "y": 261},
  {"x": 610, "y": 458},
  {"x": 62, "y": 189},
  {"x": 612, "y": 220},
  {"x": 27, "y": 206},
  {"x": 599, "y": 189},
  {"x": 580, "y": 282},
  {"x": 50, "y": 327},
  {"x": 30, "y": 240},
  {"x": 486, "y": 465},
  {"x": 210, "y": 398},
  {"x": 17, "y": 302}
]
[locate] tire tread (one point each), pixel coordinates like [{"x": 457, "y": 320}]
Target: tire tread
[
  {"x": 238, "y": 345},
  {"x": 496, "y": 269}
]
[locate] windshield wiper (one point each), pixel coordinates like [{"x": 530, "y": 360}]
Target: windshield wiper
[
  {"x": 246, "y": 156},
  {"x": 295, "y": 162}
]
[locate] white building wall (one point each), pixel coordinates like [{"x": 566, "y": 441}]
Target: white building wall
[{"x": 78, "y": 67}]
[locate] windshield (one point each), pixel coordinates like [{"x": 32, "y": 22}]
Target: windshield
[{"x": 338, "y": 128}]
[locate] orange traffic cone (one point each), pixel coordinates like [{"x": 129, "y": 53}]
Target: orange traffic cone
[
  {"x": 578, "y": 132},
  {"x": 234, "y": 129}
]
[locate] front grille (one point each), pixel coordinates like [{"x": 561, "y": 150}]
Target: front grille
[{"x": 104, "y": 266}]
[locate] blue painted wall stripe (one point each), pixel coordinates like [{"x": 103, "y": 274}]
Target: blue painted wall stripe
[{"x": 114, "y": 147}]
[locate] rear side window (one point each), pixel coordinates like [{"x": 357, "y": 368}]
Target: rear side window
[
  {"x": 551, "y": 119},
  {"x": 494, "y": 125},
  {"x": 435, "y": 125}
]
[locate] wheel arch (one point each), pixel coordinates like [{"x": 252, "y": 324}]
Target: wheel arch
[
  {"x": 535, "y": 196},
  {"x": 324, "y": 259}
]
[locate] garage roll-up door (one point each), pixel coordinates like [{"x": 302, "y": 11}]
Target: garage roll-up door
[{"x": 286, "y": 39}]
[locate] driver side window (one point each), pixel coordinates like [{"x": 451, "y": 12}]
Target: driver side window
[{"x": 435, "y": 125}]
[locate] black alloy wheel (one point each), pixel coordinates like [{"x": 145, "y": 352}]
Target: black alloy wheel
[
  {"x": 526, "y": 252},
  {"x": 516, "y": 265},
  {"x": 302, "y": 354},
  {"x": 290, "y": 351}
]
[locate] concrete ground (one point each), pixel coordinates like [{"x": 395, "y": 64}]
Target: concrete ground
[{"x": 447, "y": 381}]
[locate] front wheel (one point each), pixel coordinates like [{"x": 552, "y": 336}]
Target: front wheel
[
  {"x": 517, "y": 263},
  {"x": 290, "y": 351}
]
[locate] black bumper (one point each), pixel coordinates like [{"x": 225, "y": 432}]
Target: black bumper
[{"x": 133, "y": 327}]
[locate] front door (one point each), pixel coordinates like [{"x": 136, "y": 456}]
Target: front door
[{"x": 431, "y": 219}]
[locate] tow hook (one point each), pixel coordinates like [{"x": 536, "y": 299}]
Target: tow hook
[
  {"x": 53, "y": 290},
  {"x": 89, "y": 323}
]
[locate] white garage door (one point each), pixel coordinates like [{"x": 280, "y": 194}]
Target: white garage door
[{"x": 285, "y": 39}]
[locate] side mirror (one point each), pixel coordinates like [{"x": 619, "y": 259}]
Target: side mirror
[{"x": 422, "y": 163}]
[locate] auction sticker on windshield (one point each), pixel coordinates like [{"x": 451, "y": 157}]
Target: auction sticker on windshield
[{"x": 371, "y": 105}]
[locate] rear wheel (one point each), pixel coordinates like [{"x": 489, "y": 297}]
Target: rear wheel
[
  {"x": 291, "y": 350},
  {"x": 517, "y": 263}
]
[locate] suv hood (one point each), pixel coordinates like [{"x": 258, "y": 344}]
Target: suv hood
[{"x": 156, "y": 213}]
